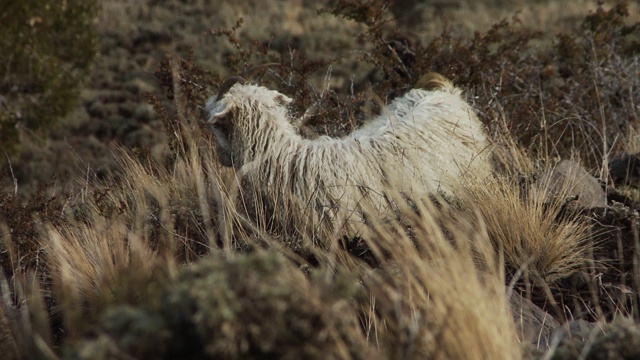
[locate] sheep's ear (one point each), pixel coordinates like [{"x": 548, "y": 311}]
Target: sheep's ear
[
  {"x": 211, "y": 103},
  {"x": 283, "y": 99},
  {"x": 218, "y": 109}
]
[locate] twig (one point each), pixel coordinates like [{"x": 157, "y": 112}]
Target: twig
[{"x": 13, "y": 176}]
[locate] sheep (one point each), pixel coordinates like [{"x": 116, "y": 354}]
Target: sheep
[{"x": 424, "y": 143}]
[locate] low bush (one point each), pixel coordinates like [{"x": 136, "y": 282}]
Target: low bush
[{"x": 45, "y": 53}]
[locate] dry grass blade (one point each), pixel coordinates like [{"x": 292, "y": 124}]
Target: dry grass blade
[{"x": 25, "y": 329}]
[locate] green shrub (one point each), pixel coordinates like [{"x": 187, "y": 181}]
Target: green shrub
[
  {"x": 46, "y": 49},
  {"x": 256, "y": 306}
]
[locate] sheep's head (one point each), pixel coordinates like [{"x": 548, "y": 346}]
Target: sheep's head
[
  {"x": 231, "y": 125},
  {"x": 220, "y": 118}
]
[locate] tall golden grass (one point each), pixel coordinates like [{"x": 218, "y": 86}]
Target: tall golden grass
[
  {"x": 542, "y": 237},
  {"x": 439, "y": 290}
]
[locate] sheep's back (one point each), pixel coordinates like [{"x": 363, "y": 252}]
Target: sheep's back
[
  {"x": 428, "y": 141},
  {"x": 423, "y": 143}
]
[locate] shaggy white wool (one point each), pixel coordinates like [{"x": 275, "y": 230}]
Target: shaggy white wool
[{"x": 425, "y": 142}]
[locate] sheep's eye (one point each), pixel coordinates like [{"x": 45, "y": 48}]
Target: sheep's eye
[{"x": 223, "y": 124}]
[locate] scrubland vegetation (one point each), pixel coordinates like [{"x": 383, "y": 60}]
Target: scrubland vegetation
[{"x": 122, "y": 237}]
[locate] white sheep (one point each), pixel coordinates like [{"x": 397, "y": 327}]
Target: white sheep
[{"x": 423, "y": 143}]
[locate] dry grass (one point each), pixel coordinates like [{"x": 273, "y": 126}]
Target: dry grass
[
  {"x": 439, "y": 281},
  {"x": 541, "y": 237},
  {"x": 439, "y": 291}
]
